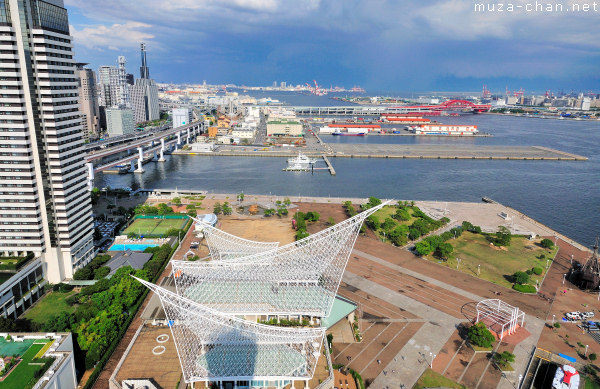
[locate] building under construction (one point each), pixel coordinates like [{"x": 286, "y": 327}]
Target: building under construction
[{"x": 588, "y": 276}]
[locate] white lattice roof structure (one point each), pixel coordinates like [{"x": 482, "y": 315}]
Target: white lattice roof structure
[
  {"x": 300, "y": 278},
  {"x": 214, "y": 346},
  {"x": 500, "y": 317},
  {"x": 225, "y": 246}
]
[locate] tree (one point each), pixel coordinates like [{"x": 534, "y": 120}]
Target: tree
[
  {"x": 287, "y": 202},
  {"x": 547, "y": 243},
  {"x": 593, "y": 357},
  {"x": 388, "y": 224},
  {"x": 101, "y": 272},
  {"x": 422, "y": 248},
  {"x": 402, "y": 214},
  {"x": 97, "y": 234},
  {"x": 217, "y": 208},
  {"x": 191, "y": 207},
  {"x": 226, "y": 209},
  {"x": 164, "y": 209},
  {"x": 480, "y": 336},
  {"x": 503, "y": 236},
  {"x": 444, "y": 250},
  {"x": 521, "y": 277},
  {"x": 372, "y": 222},
  {"x": 131, "y": 235},
  {"x": 504, "y": 359},
  {"x": 241, "y": 197}
]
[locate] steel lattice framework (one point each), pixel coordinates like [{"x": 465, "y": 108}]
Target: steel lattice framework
[
  {"x": 225, "y": 246},
  {"x": 213, "y": 346},
  {"x": 300, "y": 278},
  {"x": 500, "y": 317}
]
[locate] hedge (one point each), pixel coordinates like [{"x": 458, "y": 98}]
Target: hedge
[{"x": 524, "y": 288}]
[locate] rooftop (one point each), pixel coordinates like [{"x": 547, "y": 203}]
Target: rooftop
[{"x": 134, "y": 259}]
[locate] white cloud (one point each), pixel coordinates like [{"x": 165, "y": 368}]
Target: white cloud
[{"x": 113, "y": 37}]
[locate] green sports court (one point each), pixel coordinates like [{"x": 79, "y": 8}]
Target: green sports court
[{"x": 155, "y": 225}]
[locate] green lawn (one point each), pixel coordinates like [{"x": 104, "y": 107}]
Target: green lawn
[
  {"x": 51, "y": 304},
  {"x": 590, "y": 383},
  {"x": 497, "y": 264},
  {"x": 156, "y": 226},
  {"x": 24, "y": 372},
  {"x": 431, "y": 379}
]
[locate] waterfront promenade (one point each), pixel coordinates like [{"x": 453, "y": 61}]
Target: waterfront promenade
[{"x": 371, "y": 150}]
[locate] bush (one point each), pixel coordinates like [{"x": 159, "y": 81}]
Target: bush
[
  {"x": 593, "y": 357},
  {"x": 537, "y": 270},
  {"x": 521, "y": 277},
  {"x": 524, "y": 288},
  {"x": 480, "y": 336},
  {"x": 547, "y": 243},
  {"x": 556, "y": 325}
]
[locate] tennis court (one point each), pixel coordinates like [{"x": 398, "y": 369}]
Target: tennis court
[{"x": 155, "y": 226}]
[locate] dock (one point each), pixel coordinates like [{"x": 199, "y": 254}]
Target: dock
[{"x": 329, "y": 165}]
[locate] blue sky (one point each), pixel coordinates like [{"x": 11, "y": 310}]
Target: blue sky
[{"x": 388, "y": 45}]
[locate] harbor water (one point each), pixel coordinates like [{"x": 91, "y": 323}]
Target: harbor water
[{"x": 563, "y": 195}]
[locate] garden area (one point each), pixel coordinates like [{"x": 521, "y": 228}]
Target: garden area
[
  {"x": 28, "y": 369},
  {"x": 98, "y": 315},
  {"x": 504, "y": 259},
  {"x": 398, "y": 223}
]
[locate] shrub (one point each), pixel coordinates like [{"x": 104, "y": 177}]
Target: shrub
[
  {"x": 593, "y": 357},
  {"x": 480, "y": 336},
  {"x": 524, "y": 288},
  {"x": 556, "y": 325},
  {"x": 330, "y": 221},
  {"x": 537, "y": 270},
  {"x": 547, "y": 243}
]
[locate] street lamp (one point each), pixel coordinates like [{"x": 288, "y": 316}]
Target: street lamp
[
  {"x": 586, "y": 348},
  {"x": 571, "y": 259},
  {"x": 457, "y": 262},
  {"x": 478, "y": 269},
  {"x": 547, "y": 264},
  {"x": 564, "y": 276},
  {"x": 520, "y": 379},
  {"x": 553, "y": 318}
]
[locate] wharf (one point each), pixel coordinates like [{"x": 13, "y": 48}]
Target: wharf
[
  {"x": 357, "y": 150},
  {"x": 329, "y": 165}
]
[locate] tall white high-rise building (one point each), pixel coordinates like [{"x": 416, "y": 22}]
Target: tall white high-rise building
[
  {"x": 45, "y": 206},
  {"x": 108, "y": 86},
  {"x": 144, "y": 94}
]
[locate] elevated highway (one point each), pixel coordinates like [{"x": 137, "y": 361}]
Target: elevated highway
[{"x": 154, "y": 145}]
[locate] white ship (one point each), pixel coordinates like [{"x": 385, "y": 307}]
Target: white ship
[{"x": 301, "y": 159}]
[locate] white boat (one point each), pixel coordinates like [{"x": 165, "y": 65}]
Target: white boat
[{"x": 301, "y": 159}]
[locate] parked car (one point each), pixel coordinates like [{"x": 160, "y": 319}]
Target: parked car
[{"x": 587, "y": 315}]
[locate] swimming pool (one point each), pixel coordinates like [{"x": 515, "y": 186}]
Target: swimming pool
[{"x": 130, "y": 246}]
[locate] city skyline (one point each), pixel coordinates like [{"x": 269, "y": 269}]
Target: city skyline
[{"x": 435, "y": 45}]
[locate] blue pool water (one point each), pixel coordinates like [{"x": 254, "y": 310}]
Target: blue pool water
[{"x": 130, "y": 246}]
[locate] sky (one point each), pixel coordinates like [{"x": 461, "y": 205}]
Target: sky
[{"x": 383, "y": 45}]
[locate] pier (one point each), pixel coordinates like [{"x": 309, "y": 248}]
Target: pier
[
  {"x": 329, "y": 165},
  {"x": 400, "y": 151}
]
